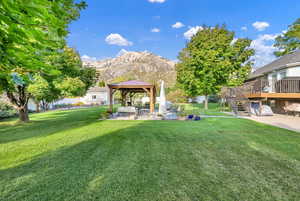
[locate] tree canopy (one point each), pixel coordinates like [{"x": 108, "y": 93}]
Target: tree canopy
[
  {"x": 289, "y": 41},
  {"x": 213, "y": 58},
  {"x": 71, "y": 80},
  {"x": 32, "y": 34}
]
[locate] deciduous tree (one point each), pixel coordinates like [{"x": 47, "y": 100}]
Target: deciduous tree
[
  {"x": 71, "y": 79},
  {"x": 30, "y": 33},
  {"x": 213, "y": 59},
  {"x": 289, "y": 41}
]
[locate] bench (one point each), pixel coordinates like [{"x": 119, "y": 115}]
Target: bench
[{"x": 126, "y": 111}]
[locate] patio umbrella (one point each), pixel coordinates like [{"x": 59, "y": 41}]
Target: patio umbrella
[{"x": 162, "y": 99}]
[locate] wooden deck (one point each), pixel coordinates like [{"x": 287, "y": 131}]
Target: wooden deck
[{"x": 274, "y": 95}]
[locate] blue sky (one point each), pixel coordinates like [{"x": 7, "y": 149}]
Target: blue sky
[{"x": 106, "y": 27}]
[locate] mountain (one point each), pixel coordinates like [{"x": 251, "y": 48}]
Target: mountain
[{"x": 144, "y": 66}]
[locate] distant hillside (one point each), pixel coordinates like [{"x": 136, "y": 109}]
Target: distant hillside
[{"x": 143, "y": 66}]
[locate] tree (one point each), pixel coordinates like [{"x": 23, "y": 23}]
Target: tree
[
  {"x": 41, "y": 91},
  {"x": 288, "y": 41},
  {"x": 213, "y": 59},
  {"x": 70, "y": 68},
  {"x": 30, "y": 33},
  {"x": 101, "y": 83},
  {"x": 177, "y": 95},
  {"x": 72, "y": 79},
  {"x": 71, "y": 87}
]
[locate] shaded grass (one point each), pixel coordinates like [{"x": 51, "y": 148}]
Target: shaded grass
[{"x": 71, "y": 155}]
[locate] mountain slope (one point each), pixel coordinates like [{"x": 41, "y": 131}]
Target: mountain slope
[{"x": 143, "y": 66}]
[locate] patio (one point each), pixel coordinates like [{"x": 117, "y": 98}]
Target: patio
[{"x": 279, "y": 120}]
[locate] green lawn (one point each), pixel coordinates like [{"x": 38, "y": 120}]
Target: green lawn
[
  {"x": 214, "y": 109},
  {"x": 71, "y": 155}
]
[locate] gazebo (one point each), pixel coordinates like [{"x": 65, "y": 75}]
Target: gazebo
[{"x": 130, "y": 88}]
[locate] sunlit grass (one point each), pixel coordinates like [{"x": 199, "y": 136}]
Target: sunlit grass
[
  {"x": 214, "y": 109},
  {"x": 72, "y": 155}
]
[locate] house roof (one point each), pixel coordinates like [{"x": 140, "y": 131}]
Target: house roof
[
  {"x": 97, "y": 89},
  {"x": 285, "y": 61}
]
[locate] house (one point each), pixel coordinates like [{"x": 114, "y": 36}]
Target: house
[
  {"x": 277, "y": 84},
  {"x": 96, "y": 95}
]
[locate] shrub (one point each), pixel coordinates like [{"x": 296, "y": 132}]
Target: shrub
[
  {"x": 78, "y": 104},
  {"x": 104, "y": 115},
  {"x": 7, "y": 110},
  {"x": 177, "y": 96},
  {"x": 58, "y": 106}
]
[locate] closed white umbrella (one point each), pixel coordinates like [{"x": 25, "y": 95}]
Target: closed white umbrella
[{"x": 162, "y": 99}]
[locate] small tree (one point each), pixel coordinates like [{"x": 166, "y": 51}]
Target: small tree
[
  {"x": 40, "y": 91},
  {"x": 289, "y": 41},
  {"x": 70, "y": 87},
  {"x": 71, "y": 79},
  {"x": 212, "y": 59}
]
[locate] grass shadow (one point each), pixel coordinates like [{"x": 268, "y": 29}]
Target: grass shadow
[{"x": 43, "y": 124}]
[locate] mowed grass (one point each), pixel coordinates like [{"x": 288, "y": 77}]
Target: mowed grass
[
  {"x": 214, "y": 109},
  {"x": 73, "y": 156}
]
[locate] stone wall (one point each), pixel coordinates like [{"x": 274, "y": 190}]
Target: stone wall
[{"x": 286, "y": 106}]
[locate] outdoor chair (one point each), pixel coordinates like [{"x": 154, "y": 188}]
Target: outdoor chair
[{"x": 126, "y": 111}]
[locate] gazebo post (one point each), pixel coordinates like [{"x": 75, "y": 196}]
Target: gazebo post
[{"x": 151, "y": 100}]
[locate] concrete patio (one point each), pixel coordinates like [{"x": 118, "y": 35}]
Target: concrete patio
[{"x": 282, "y": 121}]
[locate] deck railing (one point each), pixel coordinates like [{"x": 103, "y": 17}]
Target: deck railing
[
  {"x": 260, "y": 86},
  {"x": 287, "y": 86},
  {"x": 281, "y": 86}
]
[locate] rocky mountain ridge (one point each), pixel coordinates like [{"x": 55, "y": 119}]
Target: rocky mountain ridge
[{"x": 144, "y": 66}]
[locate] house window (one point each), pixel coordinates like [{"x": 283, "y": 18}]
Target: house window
[
  {"x": 94, "y": 97},
  {"x": 282, "y": 74}
]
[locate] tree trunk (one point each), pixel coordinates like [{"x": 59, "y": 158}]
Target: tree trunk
[
  {"x": 23, "y": 114},
  {"x": 20, "y": 100},
  {"x": 206, "y": 102},
  {"x": 37, "y": 105}
]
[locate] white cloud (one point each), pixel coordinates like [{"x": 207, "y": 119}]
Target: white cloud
[
  {"x": 155, "y": 30},
  {"x": 177, "y": 25},
  {"x": 244, "y": 28},
  {"x": 260, "y": 26},
  {"x": 192, "y": 31},
  {"x": 88, "y": 58},
  {"x": 117, "y": 39},
  {"x": 156, "y": 1},
  {"x": 264, "y": 49}
]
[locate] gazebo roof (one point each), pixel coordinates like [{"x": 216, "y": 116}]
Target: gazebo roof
[{"x": 131, "y": 83}]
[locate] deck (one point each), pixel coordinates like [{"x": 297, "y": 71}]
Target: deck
[
  {"x": 274, "y": 95},
  {"x": 282, "y": 89}
]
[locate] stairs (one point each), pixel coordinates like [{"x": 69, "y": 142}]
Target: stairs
[{"x": 238, "y": 101}]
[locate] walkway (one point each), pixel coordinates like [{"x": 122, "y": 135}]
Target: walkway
[{"x": 282, "y": 121}]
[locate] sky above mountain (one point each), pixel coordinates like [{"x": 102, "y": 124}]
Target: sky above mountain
[{"x": 164, "y": 26}]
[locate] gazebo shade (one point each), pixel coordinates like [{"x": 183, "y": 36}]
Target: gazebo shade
[{"x": 131, "y": 87}]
